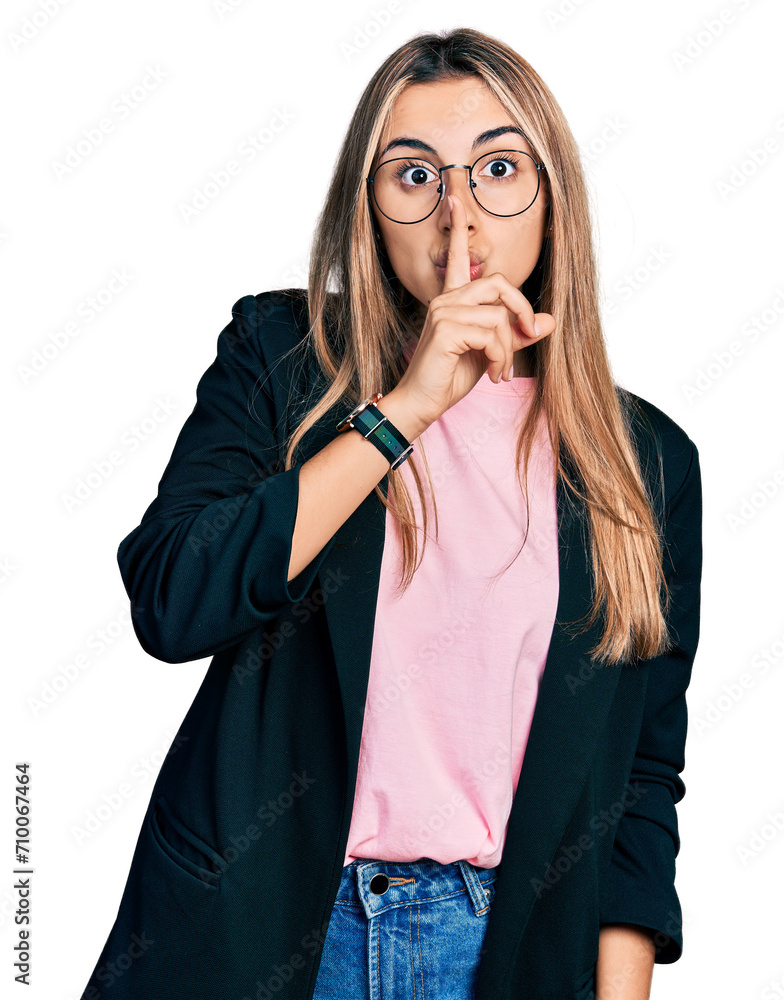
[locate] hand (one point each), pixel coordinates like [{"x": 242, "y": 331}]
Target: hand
[{"x": 467, "y": 330}]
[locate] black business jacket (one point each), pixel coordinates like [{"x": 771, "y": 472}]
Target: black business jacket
[{"x": 241, "y": 850}]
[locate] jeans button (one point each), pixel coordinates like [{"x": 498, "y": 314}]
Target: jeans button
[{"x": 379, "y": 884}]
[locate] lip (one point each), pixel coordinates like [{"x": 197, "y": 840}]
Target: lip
[
  {"x": 476, "y": 271},
  {"x": 474, "y": 257}
]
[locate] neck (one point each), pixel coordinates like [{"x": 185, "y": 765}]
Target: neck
[{"x": 522, "y": 364}]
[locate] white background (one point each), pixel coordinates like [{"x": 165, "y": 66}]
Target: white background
[{"x": 668, "y": 114}]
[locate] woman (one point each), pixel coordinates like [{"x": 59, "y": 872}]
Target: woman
[{"x": 447, "y": 769}]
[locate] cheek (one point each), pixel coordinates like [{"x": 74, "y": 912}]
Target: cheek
[
  {"x": 405, "y": 260},
  {"x": 521, "y": 253}
]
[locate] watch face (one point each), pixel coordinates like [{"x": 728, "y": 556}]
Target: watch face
[
  {"x": 365, "y": 403},
  {"x": 346, "y": 421}
]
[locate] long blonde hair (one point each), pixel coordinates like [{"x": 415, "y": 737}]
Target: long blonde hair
[{"x": 360, "y": 327}]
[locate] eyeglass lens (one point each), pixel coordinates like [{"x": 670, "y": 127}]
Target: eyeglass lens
[{"x": 505, "y": 183}]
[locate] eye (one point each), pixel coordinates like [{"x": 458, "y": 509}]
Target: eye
[
  {"x": 420, "y": 173},
  {"x": 500, "y": 168}
]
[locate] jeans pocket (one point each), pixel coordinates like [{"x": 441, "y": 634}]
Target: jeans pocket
[
  {"x": 488, "y": 889},
  {"x": 185, "y": 848}
]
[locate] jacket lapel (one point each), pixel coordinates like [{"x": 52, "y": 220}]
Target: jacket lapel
[
  {"x": 349, "y": 576},
  {"x": 572, "y": 704}
]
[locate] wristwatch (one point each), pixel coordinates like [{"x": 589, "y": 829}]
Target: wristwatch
[{"x": 375, "y": 426}]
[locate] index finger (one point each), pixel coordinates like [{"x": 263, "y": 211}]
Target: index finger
[{"x": 458, "y": 261}]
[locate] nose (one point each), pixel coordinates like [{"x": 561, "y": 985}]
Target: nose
[
  {"x": 457, "y": 181},
  {"x": 456, "y": 186}
]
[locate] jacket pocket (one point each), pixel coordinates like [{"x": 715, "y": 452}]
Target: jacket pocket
[
  {"x": 585, "y": 985},
  {"x": 187, "y": 850}
]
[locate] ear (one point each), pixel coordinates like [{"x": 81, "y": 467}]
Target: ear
[
  {"x": 544, "y": 192},
  {"x": 377, "y": 235}
]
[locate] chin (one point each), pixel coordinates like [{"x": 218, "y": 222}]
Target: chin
[{"x": 417, "y": 295}]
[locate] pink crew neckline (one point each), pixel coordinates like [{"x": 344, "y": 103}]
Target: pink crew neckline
[
  {"x": 526, "y": 383},
  {"x": 519, "y": 383}
]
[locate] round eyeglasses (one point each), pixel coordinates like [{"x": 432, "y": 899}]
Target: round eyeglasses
[{"x": 408, "y": 189}]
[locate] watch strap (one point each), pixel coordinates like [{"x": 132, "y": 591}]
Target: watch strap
[{"x": 375, "y": 426}]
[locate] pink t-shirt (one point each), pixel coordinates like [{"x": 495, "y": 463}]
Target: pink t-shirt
[{"x": 457, "y": 659}]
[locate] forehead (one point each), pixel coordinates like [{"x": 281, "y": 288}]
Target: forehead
[
  {"x": 448, "y": 115},
  {"x": 458, "y": 99}
]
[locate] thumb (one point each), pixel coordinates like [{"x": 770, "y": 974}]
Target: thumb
[{"x": 546, "y": 324}]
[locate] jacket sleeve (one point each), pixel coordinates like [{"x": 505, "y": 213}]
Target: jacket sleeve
[
  {"x": 639, "y": 886},
  {"x": 209, "y": 561}
]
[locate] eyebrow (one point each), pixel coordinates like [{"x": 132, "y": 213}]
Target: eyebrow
[{"x": 484, "y": 137}]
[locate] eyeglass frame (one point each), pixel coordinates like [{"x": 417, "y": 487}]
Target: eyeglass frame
[{"x": 442, "y": 186}]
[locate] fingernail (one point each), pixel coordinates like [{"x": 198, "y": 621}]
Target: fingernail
[
  {"x": 449, "y": 199},
  {"x": 537, "y": 329}
]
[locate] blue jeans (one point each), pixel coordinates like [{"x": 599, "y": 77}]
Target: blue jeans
[{"x": 406, "y": 930}]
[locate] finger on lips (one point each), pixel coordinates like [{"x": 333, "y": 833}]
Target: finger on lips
[
  {"x": 458, "y": 274},
  {"x": 458, "y": 264}
]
